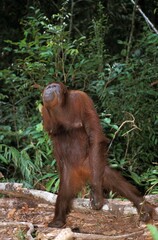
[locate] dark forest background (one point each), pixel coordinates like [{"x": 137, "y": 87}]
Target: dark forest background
[{"x": 105, "y": 48}]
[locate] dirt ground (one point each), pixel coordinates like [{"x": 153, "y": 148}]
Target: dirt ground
[{"x": 14, "y": 211}]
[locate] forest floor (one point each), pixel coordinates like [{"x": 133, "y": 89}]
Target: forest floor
[{"x": 15, "y": 212}]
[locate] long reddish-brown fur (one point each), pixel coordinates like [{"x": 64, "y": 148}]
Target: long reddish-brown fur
[{"x": 80, "y": 149}]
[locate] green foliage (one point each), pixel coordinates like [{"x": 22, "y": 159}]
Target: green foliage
[
  {"x": 129, "y": 96},
  {"x": 48, "y": 52},
  {"x": 26, "y": 163}
]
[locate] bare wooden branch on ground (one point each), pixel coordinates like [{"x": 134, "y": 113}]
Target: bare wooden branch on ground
[{"x": 67, "y": 234}]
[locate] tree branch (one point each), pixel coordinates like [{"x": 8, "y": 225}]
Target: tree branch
[
  {"x": 146, "y": 18},
  {"x": 131, "y": 33}
]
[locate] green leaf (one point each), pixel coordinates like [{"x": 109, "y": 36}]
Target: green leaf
[
  {"x": 154, "y": 231},
  {"x": 3, "y": 159},
  {"x": 51, "y": 182}
]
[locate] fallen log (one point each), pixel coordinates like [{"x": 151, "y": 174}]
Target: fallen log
[{"x": 116, "y": 206}]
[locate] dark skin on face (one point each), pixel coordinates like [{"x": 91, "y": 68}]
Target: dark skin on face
[{"x": 80, "y": 149}]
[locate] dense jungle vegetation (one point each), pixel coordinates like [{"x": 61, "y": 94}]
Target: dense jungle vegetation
[{"x": 105, "y": 48}]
